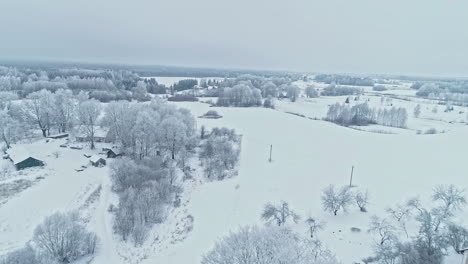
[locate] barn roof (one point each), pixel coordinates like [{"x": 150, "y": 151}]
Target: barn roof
[
  {"x": 95, "y": 158},
  {"x": 19, "y": 153}
]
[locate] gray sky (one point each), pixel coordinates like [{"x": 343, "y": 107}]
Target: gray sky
[{"x": 361, "y": 36}]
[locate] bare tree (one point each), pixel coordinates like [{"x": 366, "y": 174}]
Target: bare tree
[
  {"x": 314, "y": 226},
  {"x": 280, "y": 214},
  {"x": 382, "y": 228},
  {"x": 457, "y": 237},
  {"x": 88, "y": 114},
  {"x": 63, "y": 238},
  {"x": 333, "y": 200},
  {"x": 362, "y": 200}
]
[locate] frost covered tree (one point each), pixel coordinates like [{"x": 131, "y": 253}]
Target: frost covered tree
[
  {"x": 39, "y": 109},
  {"x": 220, "y": 152},
  {"x": 334, "y": 200},
  {"x": 362, "y": 200},
  {"x": 63, "y": 238},
  {"x": 88, "y": 115},
  {"x": 314, "y": 226},
  {"x": 25, "y": 255},
  {"x": 279, "y": 213},
  {"x": 311, "y": 92},
  {"x": 64, "y": 109},
  {"x": 417, "y": 110},
  {"x": 383, "y": 229},
  {"x": 293, "y": 92},
  {"x": 261, "y": 245},
  {"x": 140, "y": 92},
  {"x": 11, "y": 129},
  {"x": 457, "y": 237}
]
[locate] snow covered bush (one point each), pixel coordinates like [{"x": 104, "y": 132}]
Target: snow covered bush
[
  {"x": 25, "y": 255},
  {"x": 335, "y": 90},
  {"x": 362, "y": 200},
  {"x": 314, "y": 226},
  {"x": 279, "y": 213},
  {"x": 219, "y": 153},
  {"x": 311, "y": 92},
  {"x": 272, "y": 245},
  {"x": 63, "y": 238},
  {"x": 357, "y": 115},
  {"x": 335, "y": 200},
  {"x": 240, "y": 95},
  {"x": 145, "y": 189}
]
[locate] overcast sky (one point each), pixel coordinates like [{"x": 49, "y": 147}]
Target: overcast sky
[{"x": 362, "y": 36}]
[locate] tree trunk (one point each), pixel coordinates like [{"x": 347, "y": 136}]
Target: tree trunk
[{"x": 44, "y": 132}]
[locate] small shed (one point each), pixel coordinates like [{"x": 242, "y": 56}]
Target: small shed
[
  {"x": 112, "y": 153},
  {"x": 97, "y": 161}
]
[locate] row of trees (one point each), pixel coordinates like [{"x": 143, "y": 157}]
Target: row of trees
[
  {"x": 240, "y": 95},
  {"x": 362, "y": 114},
  {"x": 145, "y": 189},
  {"x": 154, "y": 129},
  {"x": 344, "y": 80},
  {"x": 335, "y": 90}
]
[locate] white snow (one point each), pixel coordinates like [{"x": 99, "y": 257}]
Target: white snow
[{"x": 308, "y": 155}]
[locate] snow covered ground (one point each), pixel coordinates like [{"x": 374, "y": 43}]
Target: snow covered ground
[{"x": 308, "y": 155}]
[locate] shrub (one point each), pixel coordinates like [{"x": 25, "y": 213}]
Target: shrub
[
  {"x": 379, "y": 88},
  {"x": 62, "y": 238}
]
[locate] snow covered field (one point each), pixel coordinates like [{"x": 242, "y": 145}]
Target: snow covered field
[{"x": 308, "y": 155}]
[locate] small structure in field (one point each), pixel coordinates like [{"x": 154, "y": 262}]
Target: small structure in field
[
  {"x": 211, "y": 114},
  {"x": 58, "y": 136},
  {"x": 112, "y": 153},
  {"x": 22, "y": 159},
  {"x": 97, "y": 161}
]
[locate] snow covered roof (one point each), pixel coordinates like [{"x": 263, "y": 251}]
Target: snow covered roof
[
  {"x": 95, "y": 158},
  {"x": 19, "y": 153}
]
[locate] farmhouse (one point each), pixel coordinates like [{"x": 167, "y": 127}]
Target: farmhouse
[
  {"x": 22, "y": 159},
  {"x": 100, "y": 135}
]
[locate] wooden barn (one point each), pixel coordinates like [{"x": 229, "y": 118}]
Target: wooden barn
[
  {"x": 22, "y": 159},
  {"x": 28, "y": 163}
]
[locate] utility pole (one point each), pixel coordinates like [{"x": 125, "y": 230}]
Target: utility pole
[
  {"x": 271, "y": 150},
  {"x": 351, "y": 179}
]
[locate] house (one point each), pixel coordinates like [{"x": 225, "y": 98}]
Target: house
[
  {"x": 97, "y": 161},
  {"x": 22, "y": 159},
  {"x": 464, "y": 252},
  {"x": 101, "y": 134}
]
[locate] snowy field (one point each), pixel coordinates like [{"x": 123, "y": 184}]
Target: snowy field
[{"x": 308, "y": 155}]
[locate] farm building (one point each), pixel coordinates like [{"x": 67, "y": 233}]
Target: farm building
[
  {"x": 97, "y": 161},
  {"x": 100, "y": 135},
  {"x": 112, "y": 153},
  {"x": 22, "y": 159}
]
